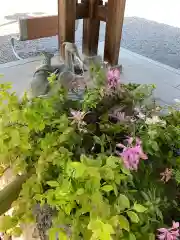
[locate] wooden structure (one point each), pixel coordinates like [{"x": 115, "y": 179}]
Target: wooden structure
[{"x": 92, "y": 12}]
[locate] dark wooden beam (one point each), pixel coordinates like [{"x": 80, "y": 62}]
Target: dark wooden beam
[
  {"x": 114, "y": 25},
  {"x": 66, "y": 22},
  {"x": 101, "y": 13},
  {"x": 91, "y": 27},
  {"x": 82, "y": 11}
]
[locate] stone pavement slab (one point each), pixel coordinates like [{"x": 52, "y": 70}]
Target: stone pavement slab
[{"x": 139, "y": 69}]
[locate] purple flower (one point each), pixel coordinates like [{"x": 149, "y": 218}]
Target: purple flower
[
  {"x": 113, "y": 78},
  {"x": 177, "y": 152},
  {"x": 169, "y": 233},
  {"x": 131, "y": 155}
]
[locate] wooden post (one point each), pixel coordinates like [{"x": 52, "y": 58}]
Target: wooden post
[
  {"x": 91, "y": 28},
  {"x": 66, "y": 22},
  {"x": 92, "y": 12},
  {"x": 114, "y": 24}
]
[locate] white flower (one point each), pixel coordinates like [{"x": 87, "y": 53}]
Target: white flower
[
  {"x": 149, "y": 121},
  {"x": 155, "y": 120},
  {"x": 158, "y": 109},
  {"x": 141, "y": 115},
  {"x": 78, "y": 118}
]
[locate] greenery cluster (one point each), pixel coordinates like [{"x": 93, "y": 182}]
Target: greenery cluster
[{"x": 69, "y": 149}]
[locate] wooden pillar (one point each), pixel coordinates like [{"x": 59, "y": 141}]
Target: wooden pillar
[
  {"x": 114, "y": 24},
  {"x": 91, "y": 27},
  {"x": 66, "y": 22}
]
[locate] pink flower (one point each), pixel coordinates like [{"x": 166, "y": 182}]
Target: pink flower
[
  {"x": 175, "y": 224},
  {"x": 113, "y": 78},
  {"x": 131, "y": 155},
  {"x": 169, "y": 233},
  {"x": 77, "y": 116}
]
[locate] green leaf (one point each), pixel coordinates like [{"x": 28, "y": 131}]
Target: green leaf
[
  {"x": 119, "y": 178},
  {"x": 80, "y": 191},
  {"x": 95, "y": 224},
  {"x": 62, "y": 236},
  {"x": 177, "y": 176},
  {"x": 38, "y": 197},
  {"x": 125, "y": 170},
  {"x": 107, "y": 188},
  {"x": 16, "y": 232},
  {"x": 114, "y": 221},
  {"x": 159, "y": 213},
  {"x": 123, "y": 202},
  {"x": 15, "y": 137},
  {"x": 124, "y": 224},
  {"x": 133, "y": 216},
  {"x": 115, "y": 189},
  {"x": 139, "y": 208},
  {"x": 151, "y": 236},
  {"x": 132, "y": 236},
  {"x": 6, "y": 223},
  {"x": 111, "y": 162},
  {"x": 53, "y": 183},
  {"x": 52, "y": 233},
  {"x": 108, "y": 229},
  {"x": 107, "y": 173},
  {"x": 155, "y": 146},
  {"x": 101, "y": 230},
  {"x": 145, "y": 196},
  {"x": 76, "y": 169},
  {"x": 97, "y": 140}
]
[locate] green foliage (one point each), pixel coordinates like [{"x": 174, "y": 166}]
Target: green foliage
[
  {"x": 75, "y": 168},
  {"x": 133, "y": 216},
  {"x": 139, "y": 208},
  {"x": 124, "y": 223}
]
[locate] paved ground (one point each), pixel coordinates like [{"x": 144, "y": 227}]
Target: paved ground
[
  {"x": 136, "y": 68},
  {"x": 151, "y": 28}
]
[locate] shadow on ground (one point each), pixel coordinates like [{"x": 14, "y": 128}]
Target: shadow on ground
[{"x": 154, "y": 40}]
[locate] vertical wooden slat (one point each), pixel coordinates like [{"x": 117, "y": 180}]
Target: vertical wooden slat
[
  {"x": 114, "y": 24},
  {"x": 66, "y": 22},
  {"x": 91, "y": 28}
]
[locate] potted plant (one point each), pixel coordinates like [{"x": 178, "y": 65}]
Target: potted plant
[{"x": 102, "y": 166}]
